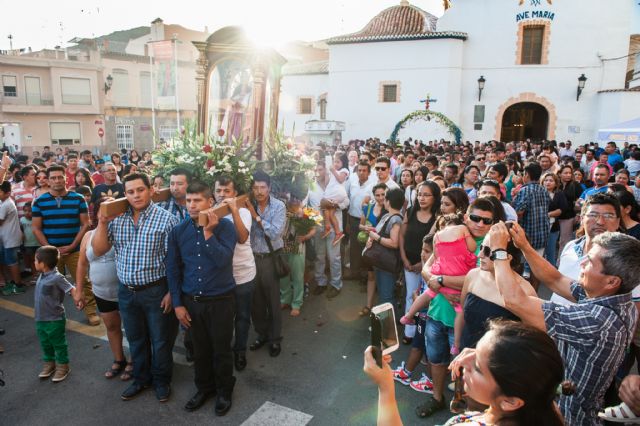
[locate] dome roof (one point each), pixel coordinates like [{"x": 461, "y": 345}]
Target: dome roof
[
  {"x": 402, "y": 22},
  {"x": 229, "y": 35}
]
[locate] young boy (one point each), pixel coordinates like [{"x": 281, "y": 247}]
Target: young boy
[
  {"x": 29, "y": 240},
  {"x": 49, "y": 313}
]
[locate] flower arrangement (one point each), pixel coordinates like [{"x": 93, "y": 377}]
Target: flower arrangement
[
  {"x": 439, "y": 117},
  {"x": 291, "y": 170},
  {"x": 306, "y": 220},
  {"x": 207, "y": 158}
]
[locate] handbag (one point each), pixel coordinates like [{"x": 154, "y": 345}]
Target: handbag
[
  {"x": 380, "y": 256},
  {"x": 280, "y": 265}
]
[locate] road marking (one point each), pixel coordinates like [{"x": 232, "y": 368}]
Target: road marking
[
  {"x": 271, "y": 414},
  {"x": 88, "y": 330}
]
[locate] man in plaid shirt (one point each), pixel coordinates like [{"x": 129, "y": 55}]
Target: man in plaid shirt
[{"x": 593, "y": 334}]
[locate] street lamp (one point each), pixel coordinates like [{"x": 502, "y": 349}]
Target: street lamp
[
  {"x": 481, "y": 81},
  {"x": 108, "y": 84},
  {"x": 581, "y": 81}
]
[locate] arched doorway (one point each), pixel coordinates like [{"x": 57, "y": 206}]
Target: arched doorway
[{"x": 524, "y": 120}]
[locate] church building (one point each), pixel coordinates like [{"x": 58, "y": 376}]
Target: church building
[{"x": 499, "y": 69}]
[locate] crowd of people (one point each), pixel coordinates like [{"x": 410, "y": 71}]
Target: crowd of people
[{"x": 490, "y": 252}]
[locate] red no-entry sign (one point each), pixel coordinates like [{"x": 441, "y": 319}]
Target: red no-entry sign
[{"x": 100, "y": 132}]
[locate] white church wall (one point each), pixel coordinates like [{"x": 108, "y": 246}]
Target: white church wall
[
  {"x": 292, "y": 88},
  {"x": 421, "y": 67}
]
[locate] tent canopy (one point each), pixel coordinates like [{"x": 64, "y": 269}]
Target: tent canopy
[{"x": 627, "y": 131}]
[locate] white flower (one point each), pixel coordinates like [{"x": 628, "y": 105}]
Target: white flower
[{"x": 241, "y": 163}]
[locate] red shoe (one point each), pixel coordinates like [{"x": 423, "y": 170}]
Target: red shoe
[{"x": 339, "y": 236}]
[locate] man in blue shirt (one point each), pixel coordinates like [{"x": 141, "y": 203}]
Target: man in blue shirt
[
  {"x": 60, "y": 219},
  {"x": 614, "y": 158},
  {"x": 600, "y": 181},
  {"x": 200, "y": 275}
]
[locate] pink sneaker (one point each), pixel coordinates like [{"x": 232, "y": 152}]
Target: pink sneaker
[
  {"x": 424, "y": 385},
  {"x": 405, "y": 320}
]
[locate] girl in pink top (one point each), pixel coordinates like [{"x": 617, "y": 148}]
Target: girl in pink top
[{"x": 453, "y": 255}]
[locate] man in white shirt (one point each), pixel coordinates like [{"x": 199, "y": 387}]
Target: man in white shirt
[
  {"x": 244, "y": 267},
  {"x": 357, "y": 191},
  {"x": 588, "y": 160},
  {"x": 325, "y": 249}
]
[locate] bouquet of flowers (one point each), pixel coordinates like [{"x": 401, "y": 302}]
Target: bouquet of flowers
[
  {"x": 306, "y": 220},
  {"x": 207, "y": 158},
  {"x": 291, "y": 170}
]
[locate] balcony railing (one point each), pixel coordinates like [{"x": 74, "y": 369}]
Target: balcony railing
[{"x": 12, "y": 98}]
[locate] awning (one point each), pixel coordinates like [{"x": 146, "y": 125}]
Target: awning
[{"x": 627, "y": 131}]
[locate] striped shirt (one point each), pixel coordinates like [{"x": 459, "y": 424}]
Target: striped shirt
[
  {"x": 592, "y": 336},
  {"x": 22, "y": 196},
  {"x": 174, "y": 208},
  {"x": 141, "y": 249},
  {"x": 60, "y": 216}
]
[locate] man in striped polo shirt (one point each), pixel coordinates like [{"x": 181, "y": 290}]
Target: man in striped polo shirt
[{"x": 60, "y": 219}]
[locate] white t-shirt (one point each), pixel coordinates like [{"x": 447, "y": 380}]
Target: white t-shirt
[
  {"x": 10, "y": 232},
  {"x": 244, "y": 265},
  {"x": 509, "y": 212},
  {"x": 569, "y": 266}
]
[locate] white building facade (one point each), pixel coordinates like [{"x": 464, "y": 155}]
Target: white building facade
[{"x": 530, "y": 54}]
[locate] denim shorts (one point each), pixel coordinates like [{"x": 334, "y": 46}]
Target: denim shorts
[
  {"x": 439, "y": 339},
  {"x": 9, "y": 256},
  {"x": 418, "y": 338}
]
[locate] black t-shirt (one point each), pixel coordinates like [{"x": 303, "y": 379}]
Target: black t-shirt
[{"x": 103, "y": 191}]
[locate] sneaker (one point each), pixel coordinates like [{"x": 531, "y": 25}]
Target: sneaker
[
  {"x": 332, "y": 292},
  {"x": 62, "y": 371},
  {"x": 401, "y": 375},
  {"x": 18, "y": 288},
  {"x": 8, "y": 289},
  {"x": 424, "y": 385},
  {"x": 47, "y": 369}
]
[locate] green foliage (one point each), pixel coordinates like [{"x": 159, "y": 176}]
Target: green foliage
[{"x": 428, "y": 115}]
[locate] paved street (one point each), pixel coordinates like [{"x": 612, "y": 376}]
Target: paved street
[{"x": 318, "y": 376}]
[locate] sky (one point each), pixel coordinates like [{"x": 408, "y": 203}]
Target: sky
[{"x": 44, "y": 24}]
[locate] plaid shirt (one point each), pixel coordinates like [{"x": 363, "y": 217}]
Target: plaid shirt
[
  {"x": 534, "y": 201},
  {"x": 592, "y": 336},
  {"x": 141, "y": 249},
  {"x": 174, "y": 208}
]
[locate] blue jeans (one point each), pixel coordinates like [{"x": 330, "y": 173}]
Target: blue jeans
[
  {"x": 243, "y": 295},
  {"x": 150, "y": 332},
  {"x": 439, "y": 339},
  {"x": 385, "y": 282},
  {"x": 551, "y": 251},
  {"x": 324, "y": 249}
]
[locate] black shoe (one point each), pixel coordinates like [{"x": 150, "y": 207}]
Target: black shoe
[
  {"x": 223, "y": 405},
  {"x": 132, "y": 391},
  {"x": 197, "y": 400},
  {"x": 257, "y": 344},
  {"x": 1, "y": 331},
  {"x": 274, "y": 349},
  {"x": 163, "y": 392},
  {"x": 332, "y": 292},
  {"x": 239, "y": 360},
  {"x": 319, "y": 290}
]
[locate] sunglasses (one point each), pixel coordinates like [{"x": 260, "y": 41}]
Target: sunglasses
[
  {"x": 381, "y": 168},
  {"x": 480, "y": 158},
  {"x": 485, "y": 250},
  {"x": 478, "y": 219}
]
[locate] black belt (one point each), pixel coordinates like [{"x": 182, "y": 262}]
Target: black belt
[
  {"x": 162, "y": 280},
  {"x": 262, "y": 255},
  {"x": 205, "y": 299}
]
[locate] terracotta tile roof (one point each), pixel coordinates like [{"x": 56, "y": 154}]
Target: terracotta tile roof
[
  {"x": 320, "y": 67},
  {"x": 634, "y": 89},
  {"x": 403, "y": 22}
]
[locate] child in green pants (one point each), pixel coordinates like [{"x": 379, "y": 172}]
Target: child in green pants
[{"x": 49, "y": 313}]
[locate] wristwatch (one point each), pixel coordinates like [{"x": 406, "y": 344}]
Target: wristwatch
[
  {"x": 440, "y": 280},
  {"x": 498, "y": 254}
]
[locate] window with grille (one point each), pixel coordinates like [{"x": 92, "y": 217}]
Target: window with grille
[
  {"x": 168, "y": 133},
  {"x": 124, "y": 136},
  {"x": 390, "y": 93},
  {"x": 532, "y": 42},
  {"x": 75, "y": 91},
  {"x": 305, "y": 106},
  {"x": 10, "y": 85}
]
